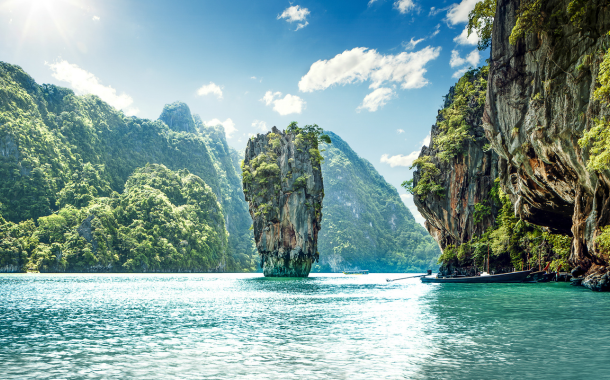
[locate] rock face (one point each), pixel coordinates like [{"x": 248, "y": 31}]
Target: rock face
[
  {"x": 539, "y": 102},
  {"x": 283, "y": 185},
  {"x": 467, "y": 179},
  {"x": 178, "y": 117}
]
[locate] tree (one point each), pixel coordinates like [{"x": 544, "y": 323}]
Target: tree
[{"x": 480, "y": 21}]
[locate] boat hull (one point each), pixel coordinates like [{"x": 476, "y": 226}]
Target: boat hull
[{"x": 503, "y": 278}]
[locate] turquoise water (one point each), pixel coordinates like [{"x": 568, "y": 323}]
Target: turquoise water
[{"x": 229, "y": 326}]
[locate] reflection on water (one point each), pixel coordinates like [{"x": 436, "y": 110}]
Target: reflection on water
[{"x": 323, "y": 327}]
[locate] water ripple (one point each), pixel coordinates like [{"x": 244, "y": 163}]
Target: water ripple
[{"x": 324, "y": 327}]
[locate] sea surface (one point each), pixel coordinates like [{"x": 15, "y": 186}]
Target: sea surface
[{"x": 327, "y": 326}]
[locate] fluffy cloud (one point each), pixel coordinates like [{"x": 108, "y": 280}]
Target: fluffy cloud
[
  {"x": 361, "y": 64},
  {"x": 96, "y": 18},
  {"x": 399, "y": 131},
  {"x": 404, "y": 6},
  {"x": 260, "y": 125},
  {"x": 376, "y": 99},
  {"x": 465, "y": 39},
  {"x": 401, "y": 160},
  {"x": 411, "y": 44},
  {"x": 458, "y": 13},
  {"x": 83, "y": 82},
  {"x": 211, "y": 88},
  {"x": 286, "y": 105},
  {"x": 295, "y": 14},
  {"x": 228, "y": 125},
  {"x": 471, "y": 60}
]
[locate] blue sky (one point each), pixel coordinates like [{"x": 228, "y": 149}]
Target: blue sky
[{"x": 373, "y": 72}]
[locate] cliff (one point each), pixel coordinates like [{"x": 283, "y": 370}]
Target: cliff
[
  {"x": 539, "y": 103},
  {"x": 462, "y": 207},
  {"x": 366, "y": 224},
  {"x": 282, "y": 182}
]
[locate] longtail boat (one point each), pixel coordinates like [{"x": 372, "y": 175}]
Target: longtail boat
[{"x": 512, "y": 277}]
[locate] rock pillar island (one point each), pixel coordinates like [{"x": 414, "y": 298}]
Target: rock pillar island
[{"x": 283, "y": 186}]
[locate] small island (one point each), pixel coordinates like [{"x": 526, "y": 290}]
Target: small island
[{"x": 283, "y": 186}]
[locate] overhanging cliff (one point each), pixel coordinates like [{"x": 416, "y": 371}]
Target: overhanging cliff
[{"x": 539, "y": 103}]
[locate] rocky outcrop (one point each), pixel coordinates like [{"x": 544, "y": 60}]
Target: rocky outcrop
[
  {"x": 178, "y": 117},
  {"x": 283, "y": 186},
  {"x": 539, "y": 102},
  {"x": 466, "y": 179}
]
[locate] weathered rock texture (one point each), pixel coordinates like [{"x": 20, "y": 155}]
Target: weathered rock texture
[
  {"x": 539, "y": 102},
  {"x": 283, "y": 186},
  {"x": 467, "y": 179}
]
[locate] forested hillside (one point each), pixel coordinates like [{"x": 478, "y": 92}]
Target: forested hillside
[
  {"x": 365, "y": 224},
  {"x": 59, "y": 150}
]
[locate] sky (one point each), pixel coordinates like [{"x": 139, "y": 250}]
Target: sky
[{"x": 372, "y": 71}]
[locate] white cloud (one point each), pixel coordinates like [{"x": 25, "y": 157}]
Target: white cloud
[
  {"x": 472, "y": 58},
  {"x": 404, "y": 197},
  {"x": 399, "y": 131},
  {"x": 96, "y": 18},
  {"x": 376, "y": 99},
  {"x": 401, "y": 160},
  {"x": 437, "y": 30},
  {"x": 411, "y": 44},
  {"x": 295, "y": 14},
  {"x": 261, "y": 125},
  {"x": 253, "y": 78},
  {"x": 84, "y": 82},
  {"x": 426, "y": 141},
  {"x": 360, "y": 64},
  {"x": 228, "y": 125},
  {"x": 404, "y": 6},
  {"x": 211, "y": 88},
  {"x": 459, "y": 12},
  {"x": 286, "y": 105},
  {"x": 371, "y": 2},
  {"x": 465, "y": 39}
]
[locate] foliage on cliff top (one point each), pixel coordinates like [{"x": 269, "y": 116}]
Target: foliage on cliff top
[
  {"x": 463, "y": 107},
  {"x": 480, "y": 21},
  {"x": 365, "y": 224}
]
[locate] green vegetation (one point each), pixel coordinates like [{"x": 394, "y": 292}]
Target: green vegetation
[
  {"x": 163, "y": 221},
  {"x": 511, "y": 243},
  {"x": 599, "y": 136},
  {"x": 314, "y": 135},
  {"x": 532, "y": 17},
  {"x": 463, "y": 106},
  {"x": 365, "y": 224},
  {"x": 480, "y": 21},
  {"x": 426, "y": 183},
  {"x": 59, "y": 150}
]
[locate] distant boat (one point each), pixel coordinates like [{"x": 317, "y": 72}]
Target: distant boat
[
  {"x": 356, "y": 272},
  {"x": 483, "y": 279}
]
